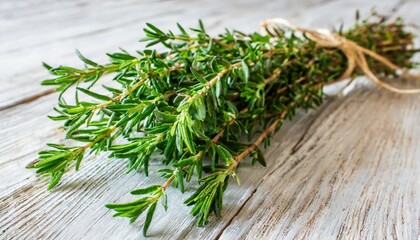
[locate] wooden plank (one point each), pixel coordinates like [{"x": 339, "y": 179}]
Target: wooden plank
[
  {"x": 312, "y": 183},
  {"x": 79, "y": 200},
  {"x": 53, "y": 39},
  {"x": 52, "y": 33},
  {"x": 339, "y": 157},
  {"x": 355, "y": 175},
  {"x": 25, "y": 130},
  {"x": 39, "y": 110},
  {"x": 28, "y": 111}
]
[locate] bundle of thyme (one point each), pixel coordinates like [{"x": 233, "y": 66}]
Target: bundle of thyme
[{"x": 193, "y": 104}]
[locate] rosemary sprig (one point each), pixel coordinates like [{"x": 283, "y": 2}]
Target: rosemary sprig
[{"x": 193, "y": 104}]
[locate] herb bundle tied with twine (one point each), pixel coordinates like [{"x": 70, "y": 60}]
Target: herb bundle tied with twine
[{"x": 207, "y": 103}]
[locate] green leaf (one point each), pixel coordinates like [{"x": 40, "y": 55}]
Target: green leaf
[
  {"x": 112, "y": 90},
  {"x": 178, "y": 137},
  {"x": 185, "y": 162},
  {"x": 46, "y": 66},
  {"x": 74, "y": 110},
  {"x": 55, "y": 179},
  {"x": 93, "y": 94},
  {"x": 224, "y": 153},
  {"x": 180, "y": 180},
  {"x": 159, "y": 129},
  {"x": 169, "y": 148},
  {"x": 245, "y": 71},
  {"x": 124, "y": 205},
  {"x": 55, "y": 158},
  {"x": 186, "y": 137},
  {"x": 154, "y": 42},
  {"x": 218, "y": 88},
  {"x": 181, "y": 29},
  {"x": 85, "y": 60},
  {"x": 79, "y": 123},
  {"x": 208, "y": 197},
  {"x": 260, "y": 157},
  {"x": 165, "y": 117},
  {"x": 120, "y": 107},
  {"x": 200, "y": 23},
  {"x": 157, "y": 30},
  {"x": 199, "y": 168},
  {"x": 120, "y": 56},
  {"x": 149, "y": 218},
  {"x": 164, "y": 200},
  {"x": 147, "y": 111},
  {"x": 198, "y": 76},
  {"x": 79, "y": 159},
  {"x": 59, "y": 80},
  {"x": 200, "y": 108},
  {"x": 146, "y": 190}
]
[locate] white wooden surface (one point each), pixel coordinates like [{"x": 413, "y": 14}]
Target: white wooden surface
[{"x": 349, "y": 170}]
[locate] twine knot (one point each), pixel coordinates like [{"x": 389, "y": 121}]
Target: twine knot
[{"x": 354, "y": 53}]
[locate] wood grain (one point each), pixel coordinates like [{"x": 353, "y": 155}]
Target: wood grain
[{"x": 348, "y": 170}]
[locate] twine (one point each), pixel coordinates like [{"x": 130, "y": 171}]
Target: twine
[{"x": 354, "y": 53}]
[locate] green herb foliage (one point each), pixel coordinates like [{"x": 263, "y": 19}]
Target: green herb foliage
[{"x": 194, "y": 103}]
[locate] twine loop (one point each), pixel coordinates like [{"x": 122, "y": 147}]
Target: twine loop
[{"x": 354, "y": 53}]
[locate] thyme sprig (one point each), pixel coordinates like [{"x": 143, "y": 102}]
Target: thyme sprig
[{"x": 193, "y": 104}]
